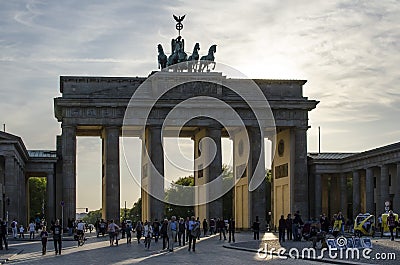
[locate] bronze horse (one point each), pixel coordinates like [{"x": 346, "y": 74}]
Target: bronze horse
[{"x": 208, "y": 59}]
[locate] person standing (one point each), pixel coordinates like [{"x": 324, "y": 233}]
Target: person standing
[
  {"x": 44, "y": 235},
  {"x": 289, "y": 224},
  {"x": 282, "y": 227},
  {"x": 32, "y": 228},
  {"x": 14, "y": 225},
  {"x": 21, "y": 231},
  {"x": 391, "y": 222},
  {"x": 205, "y": 226},
  {"x": 256, "y": 229},
  {"x": 212, "y": 226},
  {"x": 57, "y": 236},
  {"x": 164, "y": 234},
  {"x": 156, "y": 230},
  {"x": 172, "y": 230},
  {"x": 181, "y": 232},
  {"x": 3, "y": 234},
  {"x": 194, "y": 229},
  {"x": 231, "y": 228},
  {"x": 221, "y": 228}
]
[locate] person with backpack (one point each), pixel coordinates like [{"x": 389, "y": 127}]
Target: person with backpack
[
  {"x": 138, "y": 229},
  {"x": 194, "y": 231},
  {"x": 14, "y": 229}
]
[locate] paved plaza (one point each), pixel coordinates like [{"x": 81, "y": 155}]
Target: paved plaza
[{"x": 209, "y": 250}]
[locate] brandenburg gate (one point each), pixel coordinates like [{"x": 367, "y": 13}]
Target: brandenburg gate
[{"x": 102, "y": 107}]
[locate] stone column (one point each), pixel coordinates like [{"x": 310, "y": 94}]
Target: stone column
[
  {"x": 69, "y": 171},
  {"x": 11, "y": 189},
  {"x": 257, "y": 168},
  {"x": 356, "y": 193},
  {"x": 300, "y": 182},
  {"x": 214, "y": 171},
  {"x": 318, "y": 195},
  {"x": 396, "y": 199},
  {"x": 58, "y": 178},
  {"x": 369, "y": 190},
  {"x": 343, "y": 193},
  {"x": 111, "y": 174},
  {"x": 384, "y": 195},
  {"x": 51, "y": 200},
  {"x": 152, "y": 174}
]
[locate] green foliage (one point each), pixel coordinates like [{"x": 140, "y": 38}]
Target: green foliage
[
  {"x": 177, "y": 192},
  {"x": 92, "y": 216},
  {"x": 135, "y": 214},
  {"x": 37, "y": 197}
]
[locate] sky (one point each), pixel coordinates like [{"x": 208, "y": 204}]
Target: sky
[{"x": 347, "y": 50}]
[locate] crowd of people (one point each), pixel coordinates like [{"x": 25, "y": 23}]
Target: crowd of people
[{"x": 170, "y": 231}]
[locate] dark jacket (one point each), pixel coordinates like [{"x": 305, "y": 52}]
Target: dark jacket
[
  {"x": 232, "y": 225},
  {"x": 282, "y": 223}
]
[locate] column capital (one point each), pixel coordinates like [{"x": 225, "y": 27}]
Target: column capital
[{"x": 67, "y": 126}]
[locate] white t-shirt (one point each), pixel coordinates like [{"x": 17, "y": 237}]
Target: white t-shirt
[
  {"x": 80, "y": 226},
  {"x": 31, "y": 227}
]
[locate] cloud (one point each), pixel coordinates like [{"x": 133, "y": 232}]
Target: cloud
[{"x": 347, "y": 50}]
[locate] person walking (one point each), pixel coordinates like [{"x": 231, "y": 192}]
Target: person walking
[
  {"x": 44, "y": 235},
  {"x": 231, "y": 228},
  {"x": 57, "y": 237},
  {"x": 172, "y": 230},
  {"x": 289, "y": 224},
  {"x": 32, "y": 228},
  {"x": 3, "y": 234},
  {"x": 194, "y": 229},
  {"x": 112, "y": 231},
  {"x": 147, "y": 233},
  {"x": 256, "y": 229},
  {"x": 282, "y": 228},
  {"x": 128, "y": 232},
  {"x": 139, "y": 229},
  {"x": 164, "y": 234}
]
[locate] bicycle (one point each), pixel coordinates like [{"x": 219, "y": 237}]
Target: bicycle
[{"x": 80, "y": 237}]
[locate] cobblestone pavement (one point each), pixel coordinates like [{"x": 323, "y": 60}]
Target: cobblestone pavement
[
  {"x": 384, "y": 251},
  {"x": 209, "y": 250}
]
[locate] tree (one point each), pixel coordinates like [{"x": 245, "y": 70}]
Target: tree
[
  {"x": 227, "y": 198},
  {"x": 37, "y": 197},
  {"x": 177, "y": 192},
  {"x": 135, "y": 214},
  {"x": 92, "y": 216}
]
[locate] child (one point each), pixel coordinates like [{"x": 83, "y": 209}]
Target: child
[
  {"x": 44, "y": 235},
  {"x": 21, "y": 231}
]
